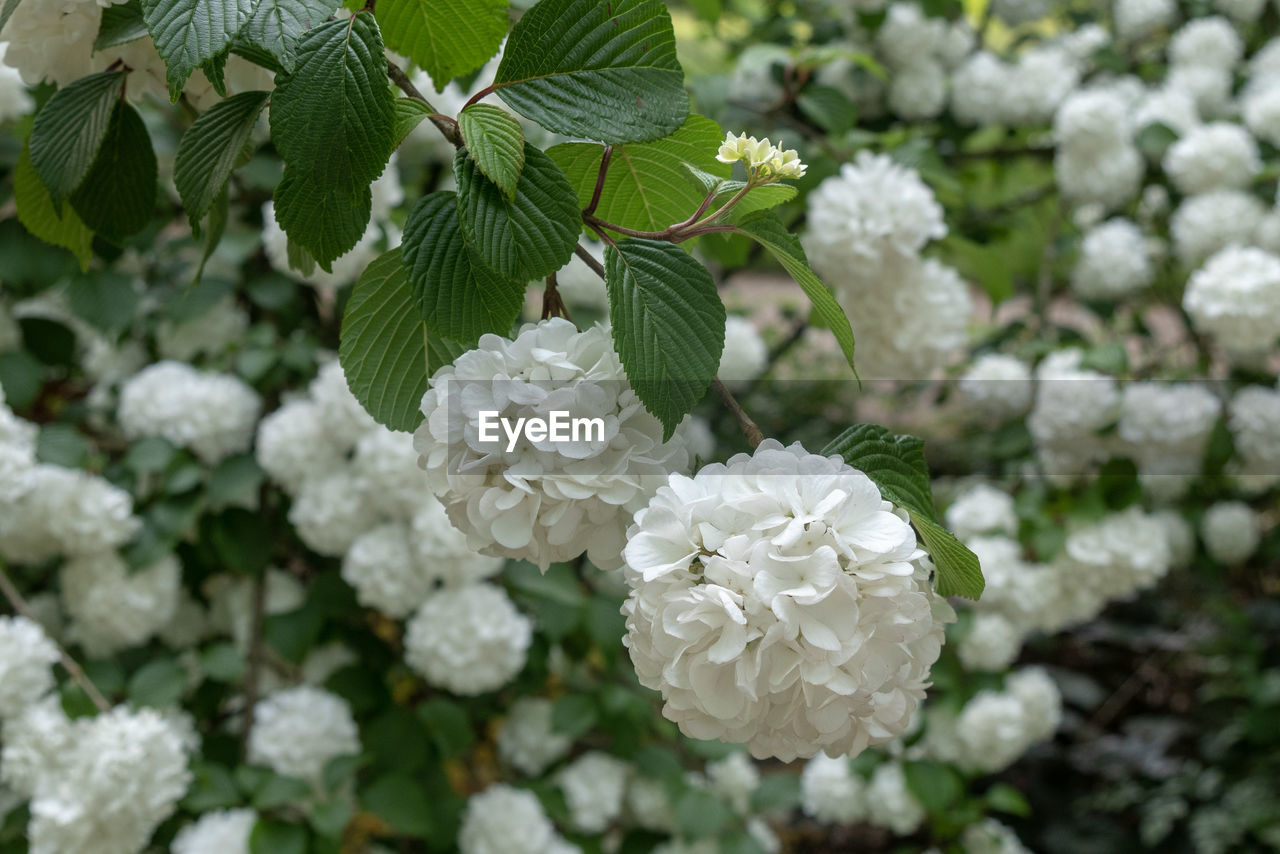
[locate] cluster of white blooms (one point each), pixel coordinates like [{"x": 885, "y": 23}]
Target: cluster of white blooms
[
  {"x": 919, "y": 50},
  {"x": 1235, "y": 297},
  {"x": 1215, "y": 156},
  {"x": 1231, "y": 532},
  {"x": 995, "y": 728},
  {"x": 468, "y": 639},
  {"x": 735, "y": 778},
  {"x": 781, "y": 562},
  {"x": 1114, "y": 261},
  {"x": 830, "y": 791},
  {"x": 98, "y": 785},
  {"x": 992, "y": 643},
  {"x": 112, "y": 607},
  {"x": 987, "y": 90},
  {"x": 1096, "y": 161},
  {"x": 26, "y": 655},
  {"x": 1205, "y": 224},
  {"x": 1136, "y": 19},
  {"x": 1021, "y": 592},
  {"x": 1165, "y": 429},
  {"x": 1254, "y": 421},
  {"x": 17, "y": 457},
  {"x": 503, "y": 819},
  {"x": 890, "y": 803},
  {"x": 297, "y": 731},
  {"x": 982, "y": 509},
  {"x": 544, "y": 500},
  {"x": 218, "y": 832},
  {"x": 997, "y": 386},
  {"x": 65, "y": 512},
  {"x": 208, "y": 334},
  {"x": 1211, "y": 42},
  {"x": 526, "y": 739},
  {"x": 991, "y": 837},
  {"x": 764, "y": 161},
  {"x": 593, "y": 787},
  {"x": 745, "y": 355},
  {"x": 212, "y": 414},
  {"x": 1073, "y": 404}
]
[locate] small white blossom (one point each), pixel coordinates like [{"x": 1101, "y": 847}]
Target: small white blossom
[
  {"x": 1231, "y": 532},
  {"x": 982, "y": 509},
  {"x": 503, "y": 819},
  {"x": 297, "y": 731},
  {"x": 1216, "y": 156},
  {"x": 992, "y": 644},
  {"x": 468, "y": 640},
  {"x": 890, "y": 803},
  {"x": 1235, "y": 297},
  {"x": 1114, "y": 261},
  {"x": 526, "y": 738},
  {"x": 26, "y": 656},
  {"x": 830, "y": 791},
  {"x": 997, "y": 386},
  {"x": 219, "y": 832},
  {"x": 212, "y": 414},
  {"x": 593, "y": 786},
  {"x": 112, "y": 607}
]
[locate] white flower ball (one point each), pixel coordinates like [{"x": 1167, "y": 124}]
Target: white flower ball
[
  {"x": 1254, "y": 421},
  {"x": 1235, "y": 297},
  {"x": 1109, "y": 176},
  {"x": 65, "y": 511},
  {"x": 344, "y": 418},
  {"x": 468, "y": 640},
  {"x": 890, "y": 803},
  {"x": 388, "y": 463},
  {"x": 443, "y": 550},
  {"x": 1208, "y": 42},
  {"x": 212, "y": 414},
  {"x": 26, "y": 656},
  {"x": 1136, "y": 19},
  {"x": 1205, "y": 224},
  {"x": 503, "y": 819},
  {"x": 298, "y": 731},
  {"x": 218, "y": 832},
  {"x": 1173, "y": 108},
  {"x": 649, "y": 805},
  {"x": 907, "y": 35},
  {"x": 872, "y": 209},
  {"x": 781, "y": 562},
  {"x": 1114, "y": 261},
  {"x": 1208, "y": 86},
  {"x": 1261, "y": 108},
  {"x": 112, "y": 607},
  {"x": 1166, "y": 428},
  {"x": 745, "y": 355},
  {"x": 1040, "y": 698},
  {"x": 1019, "y": 591},
  {"x": 543, "y": 501},
  {"x": 992, "y": 644},
  {"x": 993, "y": 731},
  {"x": 526, "y": 739},
  {"x": 1085, "y": 41},
  {"x": 830, "y": 791},
  {"x": 982, "y": 509},
  {"x": 331, "y": 510},
  {"x": 1093, "y": 120},
  {"x": 978, "y": 89},
  {"x": 734, "y": 778},
  {"x": 17, "y": 457},
  {"x": 997, "y": 386},
  {"x": 1072, "y": 405},
  {"x": 1037, "y": 85},
  {"x": 1216, "y": 156},
  {"x": 919, "y": 90},
  {"x": 294, "y": 445},
  {"x": 36, "y": 745},
  {"x": 385, "y": 573},
  {"x": 1230, "y": 531},
  {"x": 593, "y": 786},
  {"x": 210, "y": 333}
]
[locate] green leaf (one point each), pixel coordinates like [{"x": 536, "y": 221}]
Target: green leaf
[
  {"x": 699, "y": 814},
  {"x": 241, "y": 539},
  {"x": 235, "y": 482},
  {"x": 118, "y": 196},
  {"x": 595, "y": 70},
  {"x": 121, "y": 24},
  {"x": 222, "y": 662},
  {"x": 217, "y": 226},
  {"x": 215, "y": 71},
  {"x": 322, "y": 220},
  {"x": 159, "y": 683},
  {"x": 7, "y": 10},
  {"x": 402, "y": 802},
  {"x": 527, "y": 238},
  {"x": 935, "y": 785},
  {"x": 897, "y": 465},
  {"x": 769, "y": 232},
  {"x": 668, "y": 325},
  {"x": 495, "y": 141},
  {"x": 62, "y": 445},
  {"x": 1154, "y": 139},
  {"x": 573, "y": 715},
  {"x": 277, "y": 837},
  {"x": 210, "y": 148},
  {"x": 455, "y": 292},
  {"x": 828, "y": 108},
  {"x": 1005, "y": 798},
  {"x": 447, "y": 38},
  {"x": 276, "y": 25},
  {"x": 409, "y": 113},
  {"x": 107, "y": 300},
  {"x": 70, "y": 129},
  {"x": 448, "y": 724},
  {"x": 189, "y": 33},
  {"x": 39, "y": 216},
  {"x": 647, "y": 186}
]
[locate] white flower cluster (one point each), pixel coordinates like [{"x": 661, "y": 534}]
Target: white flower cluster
[
  {"x": 920, "y": 50},
  {"x": 1231, "y": 532},
  {"x": 1073, "y": 404},
  {"x": 1136, "y": 19},
  {"x": 982, "y": 509},
  {"x": 217, "y": 832},
  {"x": 544, "y": 501},
  {"x": 745, "y": 355},
  {"x": 831, "y": 792},
  {"x": 114, "y": 608},
  {"x": 503, "y": 819},
  {"x": 526, "y": 739},
  {"x": 593, "y": 787},
  {"x": 890, "y": 803},
  {"x": 995, "y": 728},
  {"x": 986, "y": 90},
  {"x": 26, "y": 655},
  {"x": 212, "y": 414},
  {"x": 297, "y": 731},
  {"x": 1205, "y": 224},
  {"x": 1215, "y": 156},
  {"x": 1254, "y": 421},
  {"x": 1165, "y": 429},
  {"x": 781, "y": 562},
  {"x": 1096, "y": 161},
  {"x": 997, "y": 386},
  {"x": 1235, "y": 297},
  {"x": 1114, "y": 261},
  {"x": 468, "y": 639},
  {"x": 992, "y": 643}
]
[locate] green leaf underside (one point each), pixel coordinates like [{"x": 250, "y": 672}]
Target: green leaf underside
[
  {"x": 210, "y": 148},
  {"x": 118, "y": 196},
  {"x": 447, "y": 38},
  {"x": 407, "y": 113},
  {"x": 458, "y": 296},
  {"x": 37, "y": 214},
  {"x": 765, "y": 228},
  {"x": 120, "y": 24},
  {"x": 215, "y": 71},
  {"x": 69, "y": 130},
  {"x": 276, "y": 25},
  {"x": 385, "y": 348},
  {"x": 647, "y": 186},
  {"x": 596, "y": 70},
  {"x": 527, "y": 238},
  {"x": 189, "y": 33},
  {"x": 495, "y": 141},
  {"x": 324, "y": 220},
  {"x": 897, "y": 465},
  {"x": 668, "y": 325}
]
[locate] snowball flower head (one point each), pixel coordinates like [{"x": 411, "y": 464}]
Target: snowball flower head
[
  {"x": 918, "y": 91},
  {"x": 544, "y": 501},
  {"x": 526, "y": 739},
  {"x": 1231, "y": 532},
  {"x": 1235, "y": 297},
  {"x": 468, "y": 640},
  {"x": 219, "y": 832},
  {"x": 112, "y": 607},
  {"x": 1209, "y": 42},
  {"x": 890, "y": 803},
  {"x": 1254, "y": 421},
  {"x": 1114, "y": 261},
  {"x": 293, "y": 444},
  {"x": 593, "y": 786},
  {"x": 297, "y": 731},
  {"x": 1106, "y": 176},
  {"x": 778, "y": 601},
  {"x": 1216, "y": 156},
  {"x": 331, "y": 510},
  {"x": 1135, "y": 19},
  {"x": 65, "y": 511},
  {"x": 343, "y": 417},
  {"x": 734, "y": 778},
  {"x": 745, "y": 355},
  {"x": 503, "y": 819},
  {"x": 997, "y": 386},
  {"x": 1261, "y": 108},
  {"x": 212, "y": 414},
  {"x": 764, "y": 160},
  {"x": 991, "y": 837},
  {"x": 982, "y": 509},
  {"x": 1206, "y": 223},
  {"x": 830, "y": 791},
  {"x": 26, "y": 656},
  {"x": 991, "y": 645}
]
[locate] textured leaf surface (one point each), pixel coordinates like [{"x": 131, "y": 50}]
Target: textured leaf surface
[
  {"x": 189, "y": 33},
  {"x": 324, "y": 220},
  {"x": 495, "y": 141},
  {"x": 456, "y": 293},
  {"x": 447, "y": 38},
  {"x": 758, "y": 199},
  {"x": 38, "y": 215},
  {"x": 647, "y": 186},
  {"x": 69, "y": 130},
  {"x": 384, "y": 349},
  {"x": 408, "y": 114},
  {"x": 529, "y": 237},
  {"x": 120, "y": 24},
  {"x": 668, "y": 325},
  {"x": 276, "y": 25},
  {"x": 595, "y": 69},
  {"x": 118, "y": 196},
  {"x": 897, "y": 465},
  {"x": 764, "y": 228},
  {"x": 210, "y": 147}
]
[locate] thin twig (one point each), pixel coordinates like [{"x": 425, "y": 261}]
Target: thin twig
[
  {"x": 254, "y": 669},
  {"x": 474, "y": 99},
  {"x": 589, "y": 260},
  {"x": 69, "y": 664},
  {"x": 552, "y": 303},
  {"x": 447, "y": 126},
  {"x": 749, "y": 428},
  {"x": 600, "y": 176}
]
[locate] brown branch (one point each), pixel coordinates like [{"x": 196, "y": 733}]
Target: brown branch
[
  {"x": 488, "y": 90},
  {"x": 254, "y": 671},
  {"x": 589, "y": 260},
  {"x": 69, "y": 664},
  {"x": 447, "y": 126},
  {"x": 590, "y": 209},
  {"x": 552, "y": 303},
  {"x": 749, "y": 428}
]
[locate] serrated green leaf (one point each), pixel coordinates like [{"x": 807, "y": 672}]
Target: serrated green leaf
[
  {"x": 120, "y": 24},
  {"x": 647, "y": 186},
  {"x": 457, "y": 295},
  {"x": 7, "y": 10},
  {"x": 37, "y": 214},
  {"x": 409, "y": 113},
  {"x": 215, "y": 71},
  {"x": 118, "y": 196},
  {"x": 159, "y": 683},
  {"x": 765, "y": 228},
  {"x": 610, "y": 75},
  {"x": 935, "y": 785},
  {"x": 447, "y": 38},
  {"x": 527, "y": 238},
  {"x": 276, "y": 25},
  {"x": 959, "y": 570},
  {"x": 208, "y": 151},
  {"x": 668, "y": 325},
  {"x": 216, "y": 227},
  {"x": 402, "y": 802},
  {"x": 106, "y": 300},
  {"x": 324, "y": 220},
  {"x": 385, "y": 349},
  {"x": 757, "y": 199},
  {"x": 277, "y": 837},
  {"x": 573, "y": 715},
  {"x": 69, "y": 130},
  {"x": 495, "y": 141},
  {"x": 828, "y": 108},
  {"x": 189, "y": 33}
]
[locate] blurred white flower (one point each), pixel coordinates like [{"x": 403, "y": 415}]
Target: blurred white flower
[
  {"x": 26, "y": 656},
  {"x": 1231, "y": 532},
  {"x": 1235, "y": 298},
  {"x": 830, "y": 791},
  {"x": 593, "y": 786},
  {"x": 468, "y": 640},
  {"x": 297, "y": 731},
  {"x": 526, "y": 738}
]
